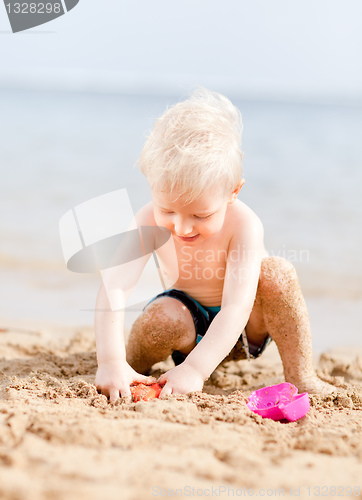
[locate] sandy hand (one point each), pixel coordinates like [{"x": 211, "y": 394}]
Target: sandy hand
[
  {"x": 114, "y": 378},
  {"x": 181, "y": 380}
]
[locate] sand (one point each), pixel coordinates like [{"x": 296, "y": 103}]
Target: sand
[{"x": 60, "y": 439}]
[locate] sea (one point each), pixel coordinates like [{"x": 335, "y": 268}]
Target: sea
[{"x": 303, "y": 170}]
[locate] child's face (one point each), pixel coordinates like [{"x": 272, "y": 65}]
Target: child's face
[{"x": 193, "y": 222}]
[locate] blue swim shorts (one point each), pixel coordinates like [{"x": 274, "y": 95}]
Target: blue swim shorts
[{"x": 202, "y": 317}]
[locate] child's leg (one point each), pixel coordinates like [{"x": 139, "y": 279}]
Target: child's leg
[
  {"x": 165, "y": 325},
  {"x": 280, "y": 310}
]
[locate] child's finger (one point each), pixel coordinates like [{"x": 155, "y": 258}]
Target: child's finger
[
  {"x": 113, "y": 395},
  {"x": 125, "y": 392},
  {"x": 166, "y": 391},
  {"x": 162, "y": 380}
]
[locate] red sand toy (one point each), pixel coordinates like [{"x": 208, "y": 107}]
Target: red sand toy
[{"x": 145, "y": 392}]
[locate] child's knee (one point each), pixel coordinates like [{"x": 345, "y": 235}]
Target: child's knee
[
  {"x": 162, "y": 324},
  {"x": 277, "y": 274}
]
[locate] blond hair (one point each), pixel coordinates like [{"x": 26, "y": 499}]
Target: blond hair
[{"x": 194, "y": 145}]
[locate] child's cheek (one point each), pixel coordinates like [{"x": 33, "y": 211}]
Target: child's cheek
[
  {"x": 160, "y": 219},
  {"x": 214, "y": 226}
]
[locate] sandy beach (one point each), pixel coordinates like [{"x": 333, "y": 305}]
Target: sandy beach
[{"x": 60, "y": 439}]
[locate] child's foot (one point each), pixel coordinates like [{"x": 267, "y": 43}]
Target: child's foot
[{"x": 314, "y": 385}]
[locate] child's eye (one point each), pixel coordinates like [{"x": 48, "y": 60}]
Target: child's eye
[{"x": 203, "y": 217}]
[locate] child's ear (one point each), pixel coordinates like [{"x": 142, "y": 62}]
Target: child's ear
[{"x": 236, "y": 191}]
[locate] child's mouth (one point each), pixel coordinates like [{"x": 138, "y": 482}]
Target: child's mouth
[{"x": 188, "y": 239}]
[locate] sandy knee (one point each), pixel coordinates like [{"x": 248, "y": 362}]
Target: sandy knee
[
  {"x": 165, "y": 322},
  {"x": 277, "y": 272}
]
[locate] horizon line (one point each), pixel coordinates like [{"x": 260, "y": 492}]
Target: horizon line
[{"x": 167, "y": 85}]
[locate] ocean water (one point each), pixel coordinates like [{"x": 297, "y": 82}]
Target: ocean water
[{"x": 303, "y": 170}]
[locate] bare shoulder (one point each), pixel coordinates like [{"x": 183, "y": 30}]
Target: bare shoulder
[
  {"x": 152, "y": 236},
  {"x": 242, "y": 219},
  {"x": 145, "y": 217},
  {"x": 246, "y": 230}
]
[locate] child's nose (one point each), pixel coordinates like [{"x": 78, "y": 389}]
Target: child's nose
[{"x": 183, "y": 227}]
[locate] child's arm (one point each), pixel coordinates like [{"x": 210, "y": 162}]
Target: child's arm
[
  {"x": 240, "y": 285},
  {"x": 114, "y": 374}
]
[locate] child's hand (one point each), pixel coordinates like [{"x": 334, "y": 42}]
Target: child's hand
[
  {"x": 181, "y": 380},
  {"x": 113, "y": 379}
]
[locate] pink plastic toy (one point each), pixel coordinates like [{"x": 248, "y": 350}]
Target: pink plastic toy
[{"x": 279, "y": 402}]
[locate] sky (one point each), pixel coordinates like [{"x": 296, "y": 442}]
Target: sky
[{"x": 258, "y": 48}]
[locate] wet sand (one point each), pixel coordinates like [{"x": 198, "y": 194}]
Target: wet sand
[{"x": 59, "y": 439}]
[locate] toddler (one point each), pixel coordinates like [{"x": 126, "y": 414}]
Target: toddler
[{"x": 225, "y": 298}]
